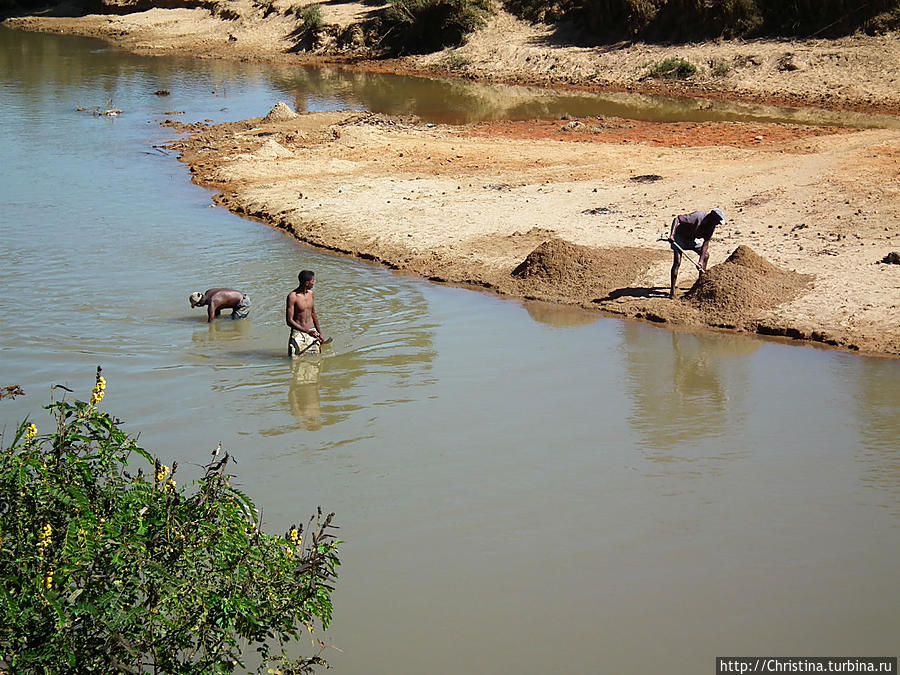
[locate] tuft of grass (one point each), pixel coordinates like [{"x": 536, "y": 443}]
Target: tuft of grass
[
  {"x": 452, "y": 60},
  {"x": 719, "y": 67},
  {"x": 672, "y": 68}
]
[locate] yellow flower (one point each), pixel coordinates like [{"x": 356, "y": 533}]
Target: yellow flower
[
  {"x": 48, "y": 581},
  {"x": 170, "y": 485},
  {"x": 295, "y": 536},
  {"x": 289, "y": 552},
  {"x": 30, "y": 431},
  {"x": 45, "y": 537},
  {"x": 99, "y": 390},
  {"x": 162, "y": 472}
]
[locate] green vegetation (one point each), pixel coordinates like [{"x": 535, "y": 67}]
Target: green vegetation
[
  {"x": 423, "y": 26},
  {"x": 672, "y": 68},
  {"x": 685, "y": 20},
  {"x": 310, "y": 25},
  {"x": 720, "y": 67},
  {"x": 107, "y": 565},
  {"x": 451, "y": 60}
]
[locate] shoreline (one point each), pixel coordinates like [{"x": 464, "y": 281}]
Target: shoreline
[
  {"x": 856, "y": 73},
  {"x": 569, "y": 211}
]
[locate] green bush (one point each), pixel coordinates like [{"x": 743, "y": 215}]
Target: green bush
[
  {"x": 310, "y": 25},
  {"x": 424, "y": 26},
  {"x": 107, "y": 565},
  {"x": 672, "y": 68}
]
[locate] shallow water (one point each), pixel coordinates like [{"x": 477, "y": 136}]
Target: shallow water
[{"x": 521, "y": 488}]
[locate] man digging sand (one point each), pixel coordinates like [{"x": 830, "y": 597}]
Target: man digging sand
[{"x": 692, "y": 232}]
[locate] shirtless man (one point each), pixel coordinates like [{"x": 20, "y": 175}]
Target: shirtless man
[
  {"x": 300, "y": 316},
  {"x": 692, "y": 232},
  {"x": 217, "y": 299}
]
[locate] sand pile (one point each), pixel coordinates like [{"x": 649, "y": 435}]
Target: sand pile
[
  {"x": 557, "y": 268},
  {"x": 271, "y": 149},
  {"x": 745, "y": 283},
  {"x": 280, "y": 113}
]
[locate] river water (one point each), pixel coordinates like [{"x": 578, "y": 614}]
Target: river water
[{"x": 521, "y": 488}]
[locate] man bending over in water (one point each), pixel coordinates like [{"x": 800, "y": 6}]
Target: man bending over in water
[
  {"x": 300, "y": 316},
  {"x": 217, "y": 299}
]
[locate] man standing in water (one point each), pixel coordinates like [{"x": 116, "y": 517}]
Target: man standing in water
[
  {"x": 217, "y": 299},
  {"x": 692, "y": 232},
  {"x": 300, "y": 316}
]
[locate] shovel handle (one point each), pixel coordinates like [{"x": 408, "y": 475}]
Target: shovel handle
[{"x": 683, "y": 252}]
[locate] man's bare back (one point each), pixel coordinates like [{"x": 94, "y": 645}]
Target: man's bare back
[{"x": 217, "y": 299}]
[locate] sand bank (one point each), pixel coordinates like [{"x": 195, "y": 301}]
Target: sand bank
[{"x": 570, "y": 211}]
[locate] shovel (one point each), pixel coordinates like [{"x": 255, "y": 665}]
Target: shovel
[
  {"x": 326, "y": 341},
  {"x": 683, "y": 252}
]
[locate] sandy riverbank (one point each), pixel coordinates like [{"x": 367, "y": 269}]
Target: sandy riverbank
[{"x": 570, "y": 210}]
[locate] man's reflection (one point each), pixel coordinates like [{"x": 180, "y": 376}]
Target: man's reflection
[
  {"x": 559, "y": 316},
  {"x": 221, "y": 331},
  {"x": 303, "y": 392},
  {"x": 681, "y": 386}
]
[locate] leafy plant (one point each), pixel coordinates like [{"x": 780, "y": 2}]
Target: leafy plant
[
  {"x": 107, "y": 565},
  {"x": 672, "y": 68}
]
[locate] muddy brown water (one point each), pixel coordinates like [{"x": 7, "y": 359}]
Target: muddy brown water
[{"x": 522, "y": 488}]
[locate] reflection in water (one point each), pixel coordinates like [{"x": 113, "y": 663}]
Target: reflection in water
[
  {"x": 684, "y": 388},
  {"x": 878, "y": 415},
  {"x": 221, "y": 331},
  {"x": 559, "y": 316},
  {"x": 455, "y": 101},
  {"x": 303, "y": 392},
  {"x": 447, "y": 100}
]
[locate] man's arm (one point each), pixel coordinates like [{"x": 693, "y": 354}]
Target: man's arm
[
  {"x": 315, "y": 318},
  {"x": 704, "y": 254},
  {"x": 672, "y": 228}
]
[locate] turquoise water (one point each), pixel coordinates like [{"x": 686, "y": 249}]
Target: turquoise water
[{"x": 521, "y": 488}]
